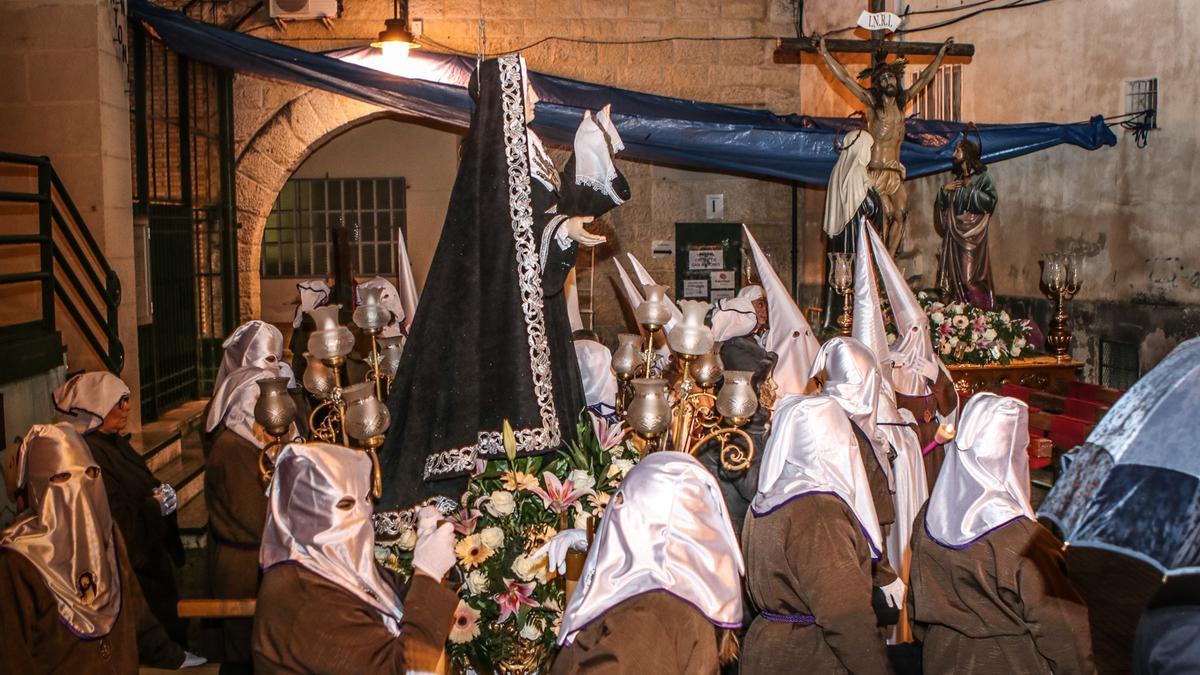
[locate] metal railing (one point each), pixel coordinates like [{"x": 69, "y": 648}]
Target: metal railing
[{"x": 71, "y": 266}]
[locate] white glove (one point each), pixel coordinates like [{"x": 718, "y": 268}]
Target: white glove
[
  {"x": 894, "y": 592},
  {"x": 556, "y": 549},
  {"x": 168, "y": 501},
  {"x": 191, "y": 660},
  {"x": 434, "y": 551},
  {"x": 576, "y": 230}
]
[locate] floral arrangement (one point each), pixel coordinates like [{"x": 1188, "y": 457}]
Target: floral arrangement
[
  {"x": 965, "y": 334},
  {"x": 511, "y": 604}
]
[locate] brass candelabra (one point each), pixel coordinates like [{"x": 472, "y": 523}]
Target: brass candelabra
[
  {"x": 688, "y": 411},
  {"x": 1060, "y": 281},
  {"x": 841, "y": 278},
  {"x": 346, "y": 412}
]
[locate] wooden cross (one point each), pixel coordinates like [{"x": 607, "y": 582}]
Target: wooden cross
[{"x": 788, "y": 50}]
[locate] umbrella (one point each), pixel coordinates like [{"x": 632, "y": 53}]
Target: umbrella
[
  {"x": 1134, "y": 486},
  {"x": 1128, "y": 502}
]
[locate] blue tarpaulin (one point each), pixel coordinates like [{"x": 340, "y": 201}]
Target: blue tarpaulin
[{"x": 677, "y": 132}]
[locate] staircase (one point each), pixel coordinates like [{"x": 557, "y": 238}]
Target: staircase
[
  {"x": 50, "y": 262},
  {"x": 171, "y": 448}
]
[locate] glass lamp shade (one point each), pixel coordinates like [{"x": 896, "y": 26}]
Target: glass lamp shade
[
  {"x": 707, "y": 368},
  {"x": 689, "y": 336},
  {"x": 649, "y": 412},
  {"x": 628, "y": 356},
  {"x": 275, "y": 410},
  {"x": 318, "y": 377},
  {"x": 330, "y": 340},
  {"x": 390, "y": 349},
  {"x": 366, "y": 416},
  {"x": 654, "y": 311},
  {"x": 841, "y": 269},
  {"x": 737, "y": 402},
  {"x": 370, "y": 315},
  {"x": 1074, "y": 269}
]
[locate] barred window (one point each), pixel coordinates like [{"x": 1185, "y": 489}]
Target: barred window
[
  {"x": 1141, "y": 96},
  {"x": 298, "y": 238},
  {"x": 942, "y": 99},
  {"x": 1119, "y": 364}
]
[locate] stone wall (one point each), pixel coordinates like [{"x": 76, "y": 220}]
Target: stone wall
[
  {"x": 742, "y": 71},
  {"x": 65, "y": 97}
]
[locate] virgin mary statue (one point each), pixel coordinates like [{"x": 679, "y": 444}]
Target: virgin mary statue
[{"x": 491, "y": 339}]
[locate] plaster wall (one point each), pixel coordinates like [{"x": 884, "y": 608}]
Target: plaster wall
[
  {"x": 428, "y": 160},
  {"x": 1130, "y": 211},
  {"x": 64, "y": 97}
]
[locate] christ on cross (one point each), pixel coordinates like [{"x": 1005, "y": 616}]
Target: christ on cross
[{"x": 885, "y": 101}]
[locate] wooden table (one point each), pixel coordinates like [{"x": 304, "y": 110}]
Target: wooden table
[{"x": 1037, "y": 372}]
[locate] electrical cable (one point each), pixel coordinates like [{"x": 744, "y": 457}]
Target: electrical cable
[{"x": 1015, "y": 4}]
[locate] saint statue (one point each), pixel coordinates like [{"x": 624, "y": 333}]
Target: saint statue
[
  {"x": 961, "y": 215},
  {"x": 491, "y": 338},
  {"x": 885, "y": 101}
]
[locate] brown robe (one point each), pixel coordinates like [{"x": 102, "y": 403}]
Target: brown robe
[
  {"x": 810, "y": 556},
  {"x": 885, "y": 507},
  {"x": 926, "y": 408},
  {"x": 305, "y": 623},
  {"x": 1001, "y": 605},
  {"x": 34, "y": 640},
  {"x": 648, "y": 633},
  {"x": 237, "y": 512}
]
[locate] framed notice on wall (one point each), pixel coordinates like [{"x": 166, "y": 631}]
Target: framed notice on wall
[{"x": 708, "y": 260}]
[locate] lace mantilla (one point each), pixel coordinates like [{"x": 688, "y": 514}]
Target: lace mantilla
[{"x": 516, "y": 147}]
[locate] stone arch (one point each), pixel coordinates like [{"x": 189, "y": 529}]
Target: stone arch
[{"x": 273, "y": 151}]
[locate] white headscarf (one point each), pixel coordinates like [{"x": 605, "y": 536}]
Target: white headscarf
[
  {"x": 733, "y": 318},
  {"x": 406, "y": 287},
  {"x": 390, "y": 299},
  {"x": 646, "y": 280},
  {"x": 306, "y": 526},
  {"x": 313, "y": 294},
  {"x": 908, "y": 468},
  {"x": 915, "y": 366},
  {"x": 84, "y": 400},
  {"x": 665, "y": 529},
  {"x": 984, "y": 483},
  {"x": 571, "y": 291},
  {"x": 789, "y": 335},
  {"x": 233, "y": 403},
  {"x": 812, "y": 449},
  {"x": 67, "y": 533},
  {"x": 596, "y": 141},
  {"x": 750, "y": 292},
  {"x": 848, "y": 184},
  {"x": 595, "y": 367},
  {"x": 852, "y": 380},
  {"x": 254, "y": 343}
]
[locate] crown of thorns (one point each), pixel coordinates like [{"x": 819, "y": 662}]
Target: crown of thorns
[{"x": 895, "y": 67}]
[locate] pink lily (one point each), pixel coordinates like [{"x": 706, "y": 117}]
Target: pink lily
[
  {"x": 514, "y": 596},
  {"x": 609, "y": 435},
  {"x": 559, "y": 496},
  {"x": 464, "y": 520}
]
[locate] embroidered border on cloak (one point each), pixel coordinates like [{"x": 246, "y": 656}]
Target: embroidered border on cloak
[{"x": 536, "y": 439}]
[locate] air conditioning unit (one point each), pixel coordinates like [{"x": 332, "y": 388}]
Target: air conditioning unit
[{"x": 301, "y": 10}]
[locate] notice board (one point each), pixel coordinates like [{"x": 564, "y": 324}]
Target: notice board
[{"x": 708, "y": 260}]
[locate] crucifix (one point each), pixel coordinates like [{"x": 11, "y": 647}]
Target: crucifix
[{"x": 884, "y": 102}]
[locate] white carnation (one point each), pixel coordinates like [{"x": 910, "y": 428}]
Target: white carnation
[
  {"x": 531, "y": 631},
  {"x": 989, "y": 334}
]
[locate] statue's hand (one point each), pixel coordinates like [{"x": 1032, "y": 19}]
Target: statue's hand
[
  {"x": 821, "y": 43},
  {"x": 577, "y": 231},
  {"x": 946, "y": 45},
  {"x": 952, "y": 185}
]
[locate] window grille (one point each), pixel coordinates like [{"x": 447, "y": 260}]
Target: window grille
[
  {"x": 1119, "y": 364},
  {"x": 1141, "y": 96},
  {"x": 298, "y": 238},
  {"x": 942, "y": 99}
]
